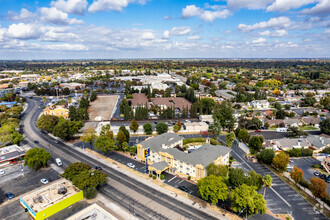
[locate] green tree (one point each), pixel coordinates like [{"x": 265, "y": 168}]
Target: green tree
[
  {"x": 88, "y": 136},
  {"x": 126, "y": 132},
  {"x": 134, "y": 125},
  {"x": 8, "y": 135},
  {"x": 105, "y": 144},
  {"x": 147, "y": 128},
  {"x": 47, "y": 122},
  {"x": 215, "y": 128},
  {"x": 89, "y": 179},
  {"x": 230, "y": 138},
  {"x": 325, "y": 126},
  {"x": 36, "y": 158},
  {"x": 278, "y": 106},
  {"x": 161, "y": 128},
  {"x": 245, "y": 196},
  {"x": 212, "y": 188},
  {"x": 224, "y": 114},
  {"x": 236, "y": 177},
  {"x": 294, "y": 131},
  {"x": 121, "y": 138},
  {"x": 267, "y": 180},
  {"x": 255, "y": 143},
  {"x": 266, "y": 156},
  {"x": 217, "y": 170},
  {"x": 61, "y": 130},
  {"x": 254, "y": 179},
  {"x": 280, "y": 114},
  {"x": 243, "y": 135},
  {"x": 176, "y": 128},
  {"x": 281, "y": 161},
  {"x": 75, "y": 168},
  {"x": 297, "y": 174},
  {"x": 93, "y": 96}
]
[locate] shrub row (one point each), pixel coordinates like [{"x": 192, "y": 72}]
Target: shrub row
[{"x": 300, "y": 152}]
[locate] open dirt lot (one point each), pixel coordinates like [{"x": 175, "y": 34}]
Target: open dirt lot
[{"x": 102, "y": 106}]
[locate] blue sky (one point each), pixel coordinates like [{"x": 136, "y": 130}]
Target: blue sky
[{"x": 87, "y": 29}]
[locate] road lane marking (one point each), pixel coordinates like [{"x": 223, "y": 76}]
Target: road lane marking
[{"x": 171, "y": 179}]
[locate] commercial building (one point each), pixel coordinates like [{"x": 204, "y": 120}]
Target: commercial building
[
  {"x": 167, "y": 154},
  {"x": 174, "y": 102},
  {"x": 10, "y": 154},
  {"x": 57, "y": 111},
  {"x": 45, "y": 202}
]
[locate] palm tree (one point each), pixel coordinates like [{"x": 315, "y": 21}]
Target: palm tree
[{"x": 267, "y": 180}]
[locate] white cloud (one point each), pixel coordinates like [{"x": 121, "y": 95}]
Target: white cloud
[
  {"x": 180, "y": 31},
  {"x": 167, "y": 18},
  {"x": 55, "y": 16},
  {"x": 205, "y": 15},
  {"x": 285, "y": 5},
  {"x": 71, "y": 6},
  {"x": 65, "y": 47},
  {"x": 57, "y": 36},
  {"x": 23, "y": 15},
  {"x": 194, "y": 37},
  {"x": 148, "y": 36},
  {"x": 166, "y": 34},
  {"x": 276, "y": 33},
  {"x": 326, "y": 31},
  {"x": 2, "y": 33},
  {"x": 259, "y": 40},
  {"x": 279, "y": 22},
  {"x": 112, "y": 5},
  {"x": 24, "y": 31},
  {"x": 250, "y": 4},
  {"x": 322, "y": 8},
  {"x": 190, "y": 11}
]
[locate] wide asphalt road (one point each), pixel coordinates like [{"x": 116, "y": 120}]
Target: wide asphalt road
[{"x": 129, "y": 201}]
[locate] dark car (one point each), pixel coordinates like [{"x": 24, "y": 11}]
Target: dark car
[
  {"x": 183, "y": 188},
  {"x": 323, "y": 176},
  {"x": 316, "y": 173},
  {"x": 327, "y": 179},
  {"x": 37, "y": 142},
  {"x": 98, "y": 168},
  {"x": 9, "y": 195}
]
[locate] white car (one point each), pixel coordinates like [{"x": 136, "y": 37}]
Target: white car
[
  {"x": 44, "y": 181},
  {"x": 2, "y": 172},
  {"x": 131, "y": 165}
]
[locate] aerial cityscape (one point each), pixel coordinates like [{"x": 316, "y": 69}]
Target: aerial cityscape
[{"x": 164, "y": 109}]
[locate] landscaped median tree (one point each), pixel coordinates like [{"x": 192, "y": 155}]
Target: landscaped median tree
[
  {"x": 266, "y": 156},
  {"x": 267, "y": 181},
  {"x": 281, "y": 161},
  {"x": 297, "y": 174},
  {"x": 36, "y": 158},
  {"x": 105, "y": 144},
  {"x": 255, "y": 143},
  {"x": 230, "y": 138},
  {"x": 245, "y": 196},
  {"x": 147, "y": 128},
  {"x": 212, "y": 188},
  {"x": 318, "y": 187},
  {"x": 89, "y": 136},
  {"x": 161, "y": 128},
  {"x": 134, "y": 125},
  {"x": 85, "y": 178},
  {"x": 243, "y": 135}
]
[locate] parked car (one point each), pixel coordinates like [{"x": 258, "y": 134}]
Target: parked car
[
  {"x": 2, "y": 172},
  {"x": 183, "y": 188},
  {"x": 98, "y": 168},
  {"x": 290, "y": 160},
  {"x": 37, "y": 142},
  {"x": 131, "y": 165},
  {"x": 323, "y": 176},
  {"x": 258, "y": 130},
  {"x": 9, "y": 195},
  {"x": 44, "y": 181},
  {"x": 316, "y": 173}
]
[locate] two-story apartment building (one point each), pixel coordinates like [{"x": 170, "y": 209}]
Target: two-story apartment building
[
  {"x": 166, "y": 154},
  {"x": 57, "y": 111}
]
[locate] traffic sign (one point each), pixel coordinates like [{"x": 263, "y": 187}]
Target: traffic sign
[{"x": 147, "y": 152}]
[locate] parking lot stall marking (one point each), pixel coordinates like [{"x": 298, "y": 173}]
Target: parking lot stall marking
[
  {"x": 172, "y": 179},
  {"x": 280, "y": 196}
]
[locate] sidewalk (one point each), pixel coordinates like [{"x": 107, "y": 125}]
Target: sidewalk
[{"x": 158, "y": 185}]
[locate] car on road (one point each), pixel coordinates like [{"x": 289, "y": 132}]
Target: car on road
[
  {"x": 323, "y": 176},
  {"x": 56, "y": 141},
  {"x": 37, "y": 142},
  {"x": 98, "y": 168},
  {"x": 258, "y": 131},
  {"x": 316, "y": 173},
  {"x": 9, "y": 195},
  {"x": 44, "y": 181},
  {"x": 2, "y": 172},
  {"x": 183, "y": 188},
  {"x": 58, "y": 162},
  {"x": 131, "y": 165}
]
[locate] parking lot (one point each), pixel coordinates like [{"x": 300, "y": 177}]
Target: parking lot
[{"x": 306, "y": 165}]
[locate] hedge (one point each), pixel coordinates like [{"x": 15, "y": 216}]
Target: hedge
[
  {"x": 304, "y": 183},
  {"x": 192, "y": 140},
  {"x": 300, "y": 152}
]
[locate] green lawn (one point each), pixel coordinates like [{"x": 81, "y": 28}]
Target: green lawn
[{"x": 309, "y": 128}]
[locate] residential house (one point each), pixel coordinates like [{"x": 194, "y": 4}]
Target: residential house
[
  {"x": 292, "y": 122},
  {"x": 166, "y": 154},
  {"x": 318, "y": 143},
  {"x": 310, "y": 120},
  {"x": 259, "y": 104},
  {"x": 139, "y": 99},
  {"x": 290, "y": 143}
]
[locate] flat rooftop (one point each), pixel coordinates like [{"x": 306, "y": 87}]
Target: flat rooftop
[
  {"x": 95, "y": 211},
  {"x": 11, "y": 152},
  {"x": 45, "y": 197}
]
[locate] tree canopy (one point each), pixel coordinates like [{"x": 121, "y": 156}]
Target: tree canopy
[
  {"x": 217, "y": 170},
  {"x": 161, "y": 128},
  {"x": 281, "y": 161},
  {"x": 212, "y": 189},
  {"x": 36, "y": 158}
]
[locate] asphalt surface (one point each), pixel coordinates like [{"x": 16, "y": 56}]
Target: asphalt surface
[
  {"x": 306, "y": 165},
  {"x": 280, "y": 198},
  {"x": 270, "y": 135},
  {"x": 71, "y": 155}
]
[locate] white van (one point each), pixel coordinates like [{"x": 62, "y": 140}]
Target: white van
[
  {"x": 58, "y": 162},
  {"x": 281, "y": 129}
]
